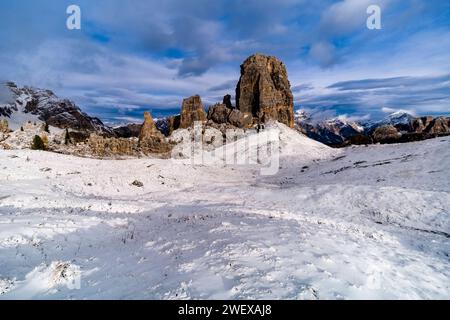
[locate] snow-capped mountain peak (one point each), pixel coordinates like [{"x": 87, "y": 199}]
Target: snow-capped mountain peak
[
  {"x": 21, "y": 105},
  {"x": 399, "y": 117}
]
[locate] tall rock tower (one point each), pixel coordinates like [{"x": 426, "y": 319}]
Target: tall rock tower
[{"x": 264, "y": 90}]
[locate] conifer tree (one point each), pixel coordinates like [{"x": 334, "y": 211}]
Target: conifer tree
[
  {"x": 38, "y": 143},
  {"x": 67, "y": 137}
]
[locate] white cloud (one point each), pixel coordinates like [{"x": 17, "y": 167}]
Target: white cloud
[
  {"x": 348, "y": 15},
  {"x": 394, "y": 110}
]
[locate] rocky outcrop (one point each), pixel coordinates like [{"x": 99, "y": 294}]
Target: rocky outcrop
[
  {"x": 418, "y": 125},
  {"x": 438, "y": 126},
  {"x": 151, "y": 140},
  {"x": 264, "y": 91},
  {"x": 148, "y": 128},
  {"x": 192, "y": 110},
  {"x": 239, "y": 119},
  {"x": 386, "y": 134},
  {"x": 173, "y": 124},
  {"x": 227, "y": 101},
  {"x": 4, "y": 130},
  {"x": 221, "y": 114},
  {"x": 108, "y": 147},
  {"x": 4, "y": 127}
]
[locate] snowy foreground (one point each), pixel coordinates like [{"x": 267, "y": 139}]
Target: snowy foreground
[{"x": 357, "y": 223}]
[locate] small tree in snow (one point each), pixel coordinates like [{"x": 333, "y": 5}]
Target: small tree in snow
[
  {"x": 67, "y": 137},
  {"x": 38, "y": 143}
]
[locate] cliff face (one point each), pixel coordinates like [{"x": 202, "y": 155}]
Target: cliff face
[
  {"x": 264, "y": 90},
  {"x": 192, "y": 110}
]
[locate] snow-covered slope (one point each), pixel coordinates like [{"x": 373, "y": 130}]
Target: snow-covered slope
[{"x": 362, "y": 222}]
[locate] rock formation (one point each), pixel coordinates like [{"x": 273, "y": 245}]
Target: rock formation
[
  {"x": 173, "y": 123},
  {"x": 192, "y": 110},
  {"x": 4, "y": 130},
  {"x": 148, "y": 128},
  {"x": 221, "y": 114},
  {"x": 386, "y": 134},
  {"x": 107, "y": 147},
  {"x": 4, "y": 127},
  {"x": 438, "y": 126},
  {"x": 151, "y": 140},
  {"x": 264, "y": 91},
  {"x": 227, "y": 101},
  {"x": 418, "y": 125},
  {"x": 240, "y": 119}
]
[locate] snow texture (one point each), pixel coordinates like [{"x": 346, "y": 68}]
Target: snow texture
[{"x": 356, "y": 223}]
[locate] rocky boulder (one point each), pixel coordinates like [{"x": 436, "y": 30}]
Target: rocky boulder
[
  {"x": 240, "y": 119},
  {"x": 264, "y": 91},
  {"x": 386, "y": 134},
  {"x": 221, "y": 114},
  {"x": 192, "y": 110},
  {"x": 4, "y": 127}
]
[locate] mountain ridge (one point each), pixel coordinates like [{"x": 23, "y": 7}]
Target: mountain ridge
[{"x": 29, "y": 104}]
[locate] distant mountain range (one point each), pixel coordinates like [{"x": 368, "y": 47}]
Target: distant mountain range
[
  {"x": 21, "y": 105},
  {"x": 396, "y": 127}
]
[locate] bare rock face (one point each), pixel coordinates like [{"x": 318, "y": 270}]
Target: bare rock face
[
  {"x": 174, "y": 123},
  {"x": 386, "y": 134},
  {"x": 438, "y": 126},
  {"x": 148, "y": 129},
  {"x": 151, "y": 140},
  {"x": 227, "y": 101},
  {"x": 107, "y": 147},
  {"x": 264, "y": 91},
  {"x": 240, "y": 119},
  {"x": 4, "y": 130},
  {"x": 418, "y": 125},
  {"x": 192, "y": 110},
  {"x": 221, "y": 114},
  {"x": 4, "y": 127}
]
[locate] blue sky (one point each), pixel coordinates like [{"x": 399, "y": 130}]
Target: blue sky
[{"x": 138, "y": 55}]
